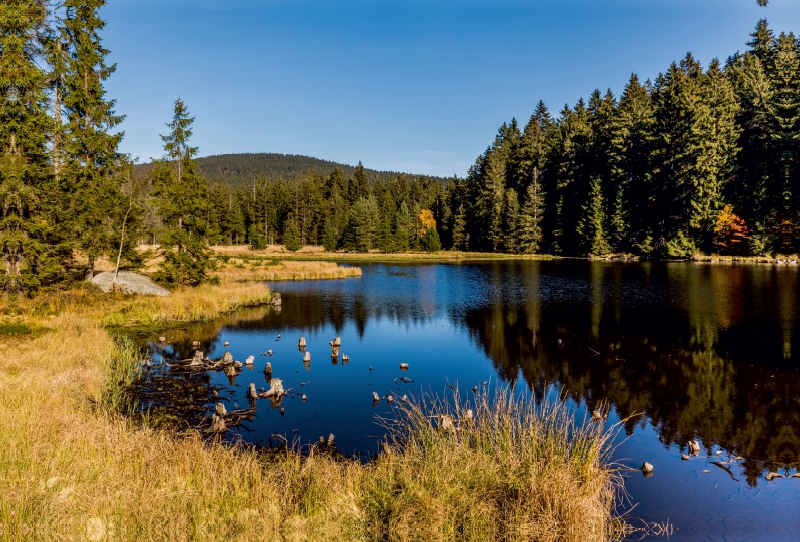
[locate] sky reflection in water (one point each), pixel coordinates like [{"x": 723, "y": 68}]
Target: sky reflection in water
[{"x": 702, "y": 351}]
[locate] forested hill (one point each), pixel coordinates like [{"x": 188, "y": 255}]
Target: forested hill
[{"x": 240, "y": 170}]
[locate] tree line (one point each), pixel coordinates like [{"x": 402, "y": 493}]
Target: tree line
[{"x": 701, "y": 159}]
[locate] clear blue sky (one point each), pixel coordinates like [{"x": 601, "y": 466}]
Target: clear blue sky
[{"x": 416, "y": 86}]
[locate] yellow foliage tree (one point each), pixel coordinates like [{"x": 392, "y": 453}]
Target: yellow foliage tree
[{"x": 426, "y": 221}]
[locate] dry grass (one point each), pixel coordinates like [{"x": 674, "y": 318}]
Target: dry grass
[
  {"x": 73, "y": 468},
  {"x": 250, "y": 269},
  {"x": 316, "y": 253}
]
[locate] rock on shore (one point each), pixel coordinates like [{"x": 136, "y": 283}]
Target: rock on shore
[{"x": 129, "y": 283}]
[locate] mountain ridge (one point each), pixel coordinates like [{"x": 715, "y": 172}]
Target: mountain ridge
[{"x": 241, "y": 169}]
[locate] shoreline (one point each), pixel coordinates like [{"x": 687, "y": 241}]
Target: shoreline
[
  {"x": 76, "y": 467},
  {"x": 317, "y": 254}
]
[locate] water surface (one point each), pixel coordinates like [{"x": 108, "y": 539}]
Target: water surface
[{"x": 694, "y": 351}]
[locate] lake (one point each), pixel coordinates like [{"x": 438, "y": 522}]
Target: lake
[{"x": 681, "y": 351}]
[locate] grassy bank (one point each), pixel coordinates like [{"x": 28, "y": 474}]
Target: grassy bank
[
  {"x": 314, "y": 253},
  {"x": 72, "y": 467}
]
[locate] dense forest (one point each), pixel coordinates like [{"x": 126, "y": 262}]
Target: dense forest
[
  {"x": 242, "y": 170},
  {"x": 702, "y": 159}
]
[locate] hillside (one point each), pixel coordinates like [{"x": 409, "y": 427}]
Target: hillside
[{"x": 241, "y": 169}]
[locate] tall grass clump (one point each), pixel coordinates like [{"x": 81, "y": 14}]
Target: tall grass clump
[{"x": 500, "y": 467}]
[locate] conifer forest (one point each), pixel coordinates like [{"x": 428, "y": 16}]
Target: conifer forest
[{"x": 699, "y": 159}]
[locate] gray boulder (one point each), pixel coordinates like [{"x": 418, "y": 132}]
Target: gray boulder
[{"x": 129, "y": 283}]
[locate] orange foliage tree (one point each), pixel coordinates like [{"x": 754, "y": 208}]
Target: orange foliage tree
[{"x": 730, "y": 231}]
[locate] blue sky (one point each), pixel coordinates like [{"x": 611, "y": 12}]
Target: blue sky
[{"x": 416, "y": 86}]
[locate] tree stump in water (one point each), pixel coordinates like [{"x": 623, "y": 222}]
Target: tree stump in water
[
  {"x": 217, "y": 424},
  {"x": 227, "y": 358},
  {"x": 447, "y": 423},
  {"x": 249, "y": 360},
  {"x": 197, "y": 359},
  {"x": 307, "y": 357},
  {"x": 302, "y": 342},
  {"x": 251, "y": 391},
  {"x": 275, "y": 389},
  {"x": 221, "y": 411}
]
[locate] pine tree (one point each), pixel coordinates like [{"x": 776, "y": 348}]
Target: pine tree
[
  {"x": 89, "y": 154},
  {"x": 592, "y": 227},
  {"x": 30, "y": 261}
]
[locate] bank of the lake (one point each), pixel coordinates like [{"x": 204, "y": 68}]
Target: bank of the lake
[{"x": 75, "y": 467}]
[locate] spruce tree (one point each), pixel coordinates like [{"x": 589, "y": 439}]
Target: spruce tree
[
  {"x": 291, "y": 237},
  {"x": 30, "y": 259},
  {"x": 181, "y": 195},
  {"x": 89, "y": 154},
  {"x": 530, "y": 218},
  {"x": 592, "y": 226},
  {"x": 358, "y": 187},
  {"x": 460, "y": 229},
  {"x": 403, "y": 228},
  {"x": 511, "y": 219},
  {"x": 329, "y": 237}
]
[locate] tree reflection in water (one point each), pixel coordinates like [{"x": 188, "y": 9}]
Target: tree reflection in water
[{"x": 703, "y": 351}]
